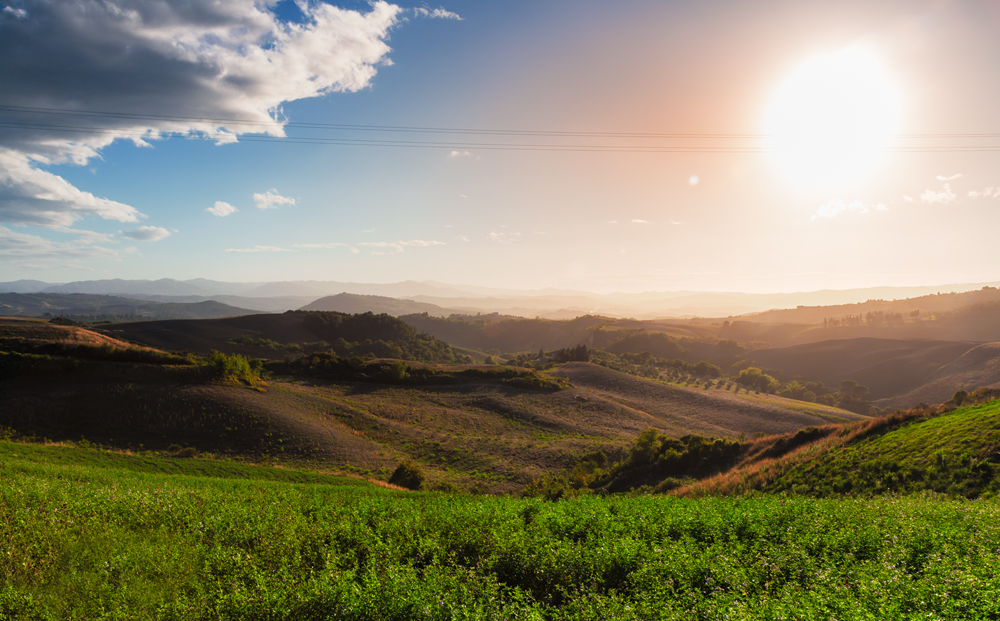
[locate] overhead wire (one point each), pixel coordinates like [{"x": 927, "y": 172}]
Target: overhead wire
[{"x": 249, "y": 135}]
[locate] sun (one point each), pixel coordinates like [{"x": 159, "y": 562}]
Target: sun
[{"x": 831, "y": 119}]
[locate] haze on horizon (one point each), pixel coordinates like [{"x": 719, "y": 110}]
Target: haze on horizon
[{"x": 773, "y": 146}]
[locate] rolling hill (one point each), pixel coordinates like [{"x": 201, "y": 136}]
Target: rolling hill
[
  {"x": 477, "y": 431},
  {"x": 353, "y": 303},
  {"x": 976, "y": 368},
  {"x": 888, "y": 367},
  {"x": 950, "y": 451}
]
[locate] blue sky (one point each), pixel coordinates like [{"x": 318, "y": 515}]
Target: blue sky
[{"x": 72, "y": 209}]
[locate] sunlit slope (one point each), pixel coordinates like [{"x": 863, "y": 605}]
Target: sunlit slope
[
  {"x": 67, "y": 460},
  {"x": 887, "y": 367},
  {"x": 677, "y": 411},
  {"x": 955, "y": 453},
  {"x": 978, "y": 367}
]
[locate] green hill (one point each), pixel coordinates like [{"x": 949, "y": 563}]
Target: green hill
[{"x": 955, "y": 452}]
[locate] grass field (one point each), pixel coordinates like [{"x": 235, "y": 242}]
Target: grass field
[
  {"x": 110, "y": 539},
  {"x": 952, "y": 452}
]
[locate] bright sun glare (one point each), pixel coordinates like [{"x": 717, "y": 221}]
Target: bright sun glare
[{"x": 830, "y": 120}]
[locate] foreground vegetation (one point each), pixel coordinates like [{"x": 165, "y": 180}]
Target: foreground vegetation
[{"x": 98, "y": 542}]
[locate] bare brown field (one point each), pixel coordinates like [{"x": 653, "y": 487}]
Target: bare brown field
[
  {"x": 39, "y": 331},
  {"x": 976, "y": 368},
  {"x": 477, "y": 433},
  {"x": 714, "y": 412},
  {"x": 888, "y": 367}
]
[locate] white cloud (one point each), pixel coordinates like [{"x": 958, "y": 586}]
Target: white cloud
[
  {"x": 836, "y": 206},
  {"x": 36, "y": 197},
  {"x": 162, "y": 66},
  {"x": 147, "y": 233},
  {"x": 271, "y": 199},
  {"x": 951, "y": 178},
  {"x": 327, "y": 245},
  {"x": 612, "y": 221},
  {"x": 638, "y": 221},
  {"x": 908, "y": 199},
  {"x": 463, "y": 238},
  {"x": 259, "y": 249},
  {"x": 503, "y": 237},
  {"x": 990, "y": 192},
  {"x": 221, "y": 209},
  {"x": 943, "y": 197},
  {"x": 693, "y": 180},
  {"x": 17, "y": 13},
  {"x": 21, "y": 246},
  {"x": 398, "y": 246},
  {"x": 436, "y": 13},
  {"x": 457, "y": 154}
]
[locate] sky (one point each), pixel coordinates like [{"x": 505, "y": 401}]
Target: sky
[{"x": 629, "y": 146}]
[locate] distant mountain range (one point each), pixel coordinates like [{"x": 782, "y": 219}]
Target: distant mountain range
[
  {"x": 547, "y": 303},
  {"x": 111, "y": 308}
]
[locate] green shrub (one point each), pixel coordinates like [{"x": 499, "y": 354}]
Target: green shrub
[{"x": 408, "y": 475}]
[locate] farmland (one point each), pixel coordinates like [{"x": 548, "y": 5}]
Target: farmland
[{"x": 98, "y": 540}]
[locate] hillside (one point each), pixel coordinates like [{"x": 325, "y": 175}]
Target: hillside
[
  {"x": 352, "y": 303},
  {"x": 977, "y": 367},
  {"x": 953, "y": 452},
  {"x": 469, "y": 426},
  {"x": 888, "y": 367},
  {"x": 294, "y": 332},
  {"x": 679, "y": 411},
  {"x": 85, "y": 307},
  {"x": 923, "y": 305}
]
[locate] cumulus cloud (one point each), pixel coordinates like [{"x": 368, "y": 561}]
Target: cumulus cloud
[
  {"x": 271, "y": 199},
  {"x": 990, "y": 192},
  {"x": 457, "y": 154},
  {"x": 836, "y": 206},
  {"x": 142, "y": 70},
  {"x": 147, "y": 233},
  {"x": 30, "y": 196},
  {"x": 259, "y": 249},
  {"x": 951, "y": 178},
  {"x": 638, "y": 221},
  {"x": 944, "y": 197},
  {"x": 398, "y": 246},
  {"x": 21, "y": 246},
  {"x": 221, "y": 209},
  {"x": 326, "y": 245},
  {"x": 436, "y": 13},
  {"x": 463, "y": 238},
  {"x": 502, "y": 237},
  {"x": 908, "y": 199}
]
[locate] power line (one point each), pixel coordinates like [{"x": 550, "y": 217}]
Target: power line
[
  {"x": 232, "y": 121},
  {"x": 320, "y": 140}
]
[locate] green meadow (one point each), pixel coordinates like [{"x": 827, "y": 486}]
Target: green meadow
[{"x": 89, "y": 535}]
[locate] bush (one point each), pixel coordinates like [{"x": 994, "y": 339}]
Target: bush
[
  {"x": 235, "y": 367},
  {"x": 408, "y": 475}
]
